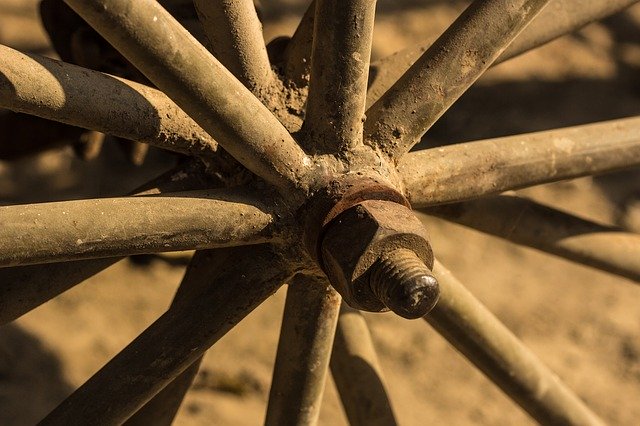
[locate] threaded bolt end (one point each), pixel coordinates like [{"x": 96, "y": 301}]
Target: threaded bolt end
[{"x": 404, "y": 284}]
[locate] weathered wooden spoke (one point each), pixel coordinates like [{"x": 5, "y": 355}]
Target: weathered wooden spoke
[
  {"x": 304, "y": 349},
  {"x": 535, "y": 225},
  {"x": 412, "y": 105},
  {"x": 475, "y": 169},
  {"x": 336, "y": 199}
]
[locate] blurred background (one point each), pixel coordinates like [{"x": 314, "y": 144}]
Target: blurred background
[{"x": 583, "y": 323}]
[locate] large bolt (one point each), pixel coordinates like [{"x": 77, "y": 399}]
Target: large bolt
[
  {"x": 404, "y": 284},
  {"x": 377, "y": 256}
]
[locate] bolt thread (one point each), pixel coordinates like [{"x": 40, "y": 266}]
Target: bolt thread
[
  {"x": 399, "y": 265},
  {"x": 404, "y": 284}
]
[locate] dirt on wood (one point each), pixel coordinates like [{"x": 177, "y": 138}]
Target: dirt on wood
[{"x": 583, "y": 323}]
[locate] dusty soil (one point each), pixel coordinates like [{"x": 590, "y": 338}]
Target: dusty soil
[{"x": 582, "y": 322}]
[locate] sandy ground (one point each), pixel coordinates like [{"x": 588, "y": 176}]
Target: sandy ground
[{"x": 582, "y": 322}]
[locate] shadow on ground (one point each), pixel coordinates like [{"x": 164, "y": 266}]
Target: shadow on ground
[{"x": 31, "y": 378}]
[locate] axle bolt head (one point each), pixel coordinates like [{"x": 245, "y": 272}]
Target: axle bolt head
[{"x": 377, "y": 255}]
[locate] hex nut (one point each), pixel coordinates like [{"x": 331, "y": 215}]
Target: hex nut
[{"x": 356, "y": 239}]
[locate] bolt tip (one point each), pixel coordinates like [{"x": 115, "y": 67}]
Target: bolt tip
[{"x": 414, "y": 298}]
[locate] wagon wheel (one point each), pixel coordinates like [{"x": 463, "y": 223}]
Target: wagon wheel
[{"x": 329, "y": 197}]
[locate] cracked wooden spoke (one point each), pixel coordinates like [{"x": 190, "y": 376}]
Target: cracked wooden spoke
[
  {"x": 475, "y": 169},
  {"x": 242, "y": 279},
  {"x": 558, "y": 18},
  {"x": 149, "y": 37},
  {"x": 357, "y": 372},
  {"x": 297, "y": 55},
  {"x": 444, "y": 72},
  {"x": 84, "y": 229},
  {"x": 24, "y": 288},
  {"x": 235, "y": 33},
  {"x": 339, "y": 72},
  {"x": 487, "y": 343},
  {"x": 535, "y": 225},
  {"x": 73, "y": 95},
  {"x": 304, "y": 349}
]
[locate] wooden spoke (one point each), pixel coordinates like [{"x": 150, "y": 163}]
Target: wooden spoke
[
  {"x": 235, "y": 33},
  {"x": 73, "y": 95},
  {"x": 304, "y": 349},
  {"x": 560, "y": 17},
  {"x": 149, "y": 37},
  {"x": 297, "y": 55},
  {"x": 242, "y": 278},
  {"x": 409, "y": 108},
  {"x": 339, "y": 73},
  {"x": 25, "y": 288},
  {"x": 84, "y": 229},
  {"x": 526, "y": 222},
  {"x": 357, "y": 373},
  {"x": 487, "y": 343},
  {"x": 475, "y": 169}
]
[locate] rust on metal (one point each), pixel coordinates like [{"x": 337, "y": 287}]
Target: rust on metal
[
  {"x": 356, "y": 244},
  {"x": 335, "y": 198},
  {"x": 404, "y": 283},
  {"x": 347, "y": 200}
]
